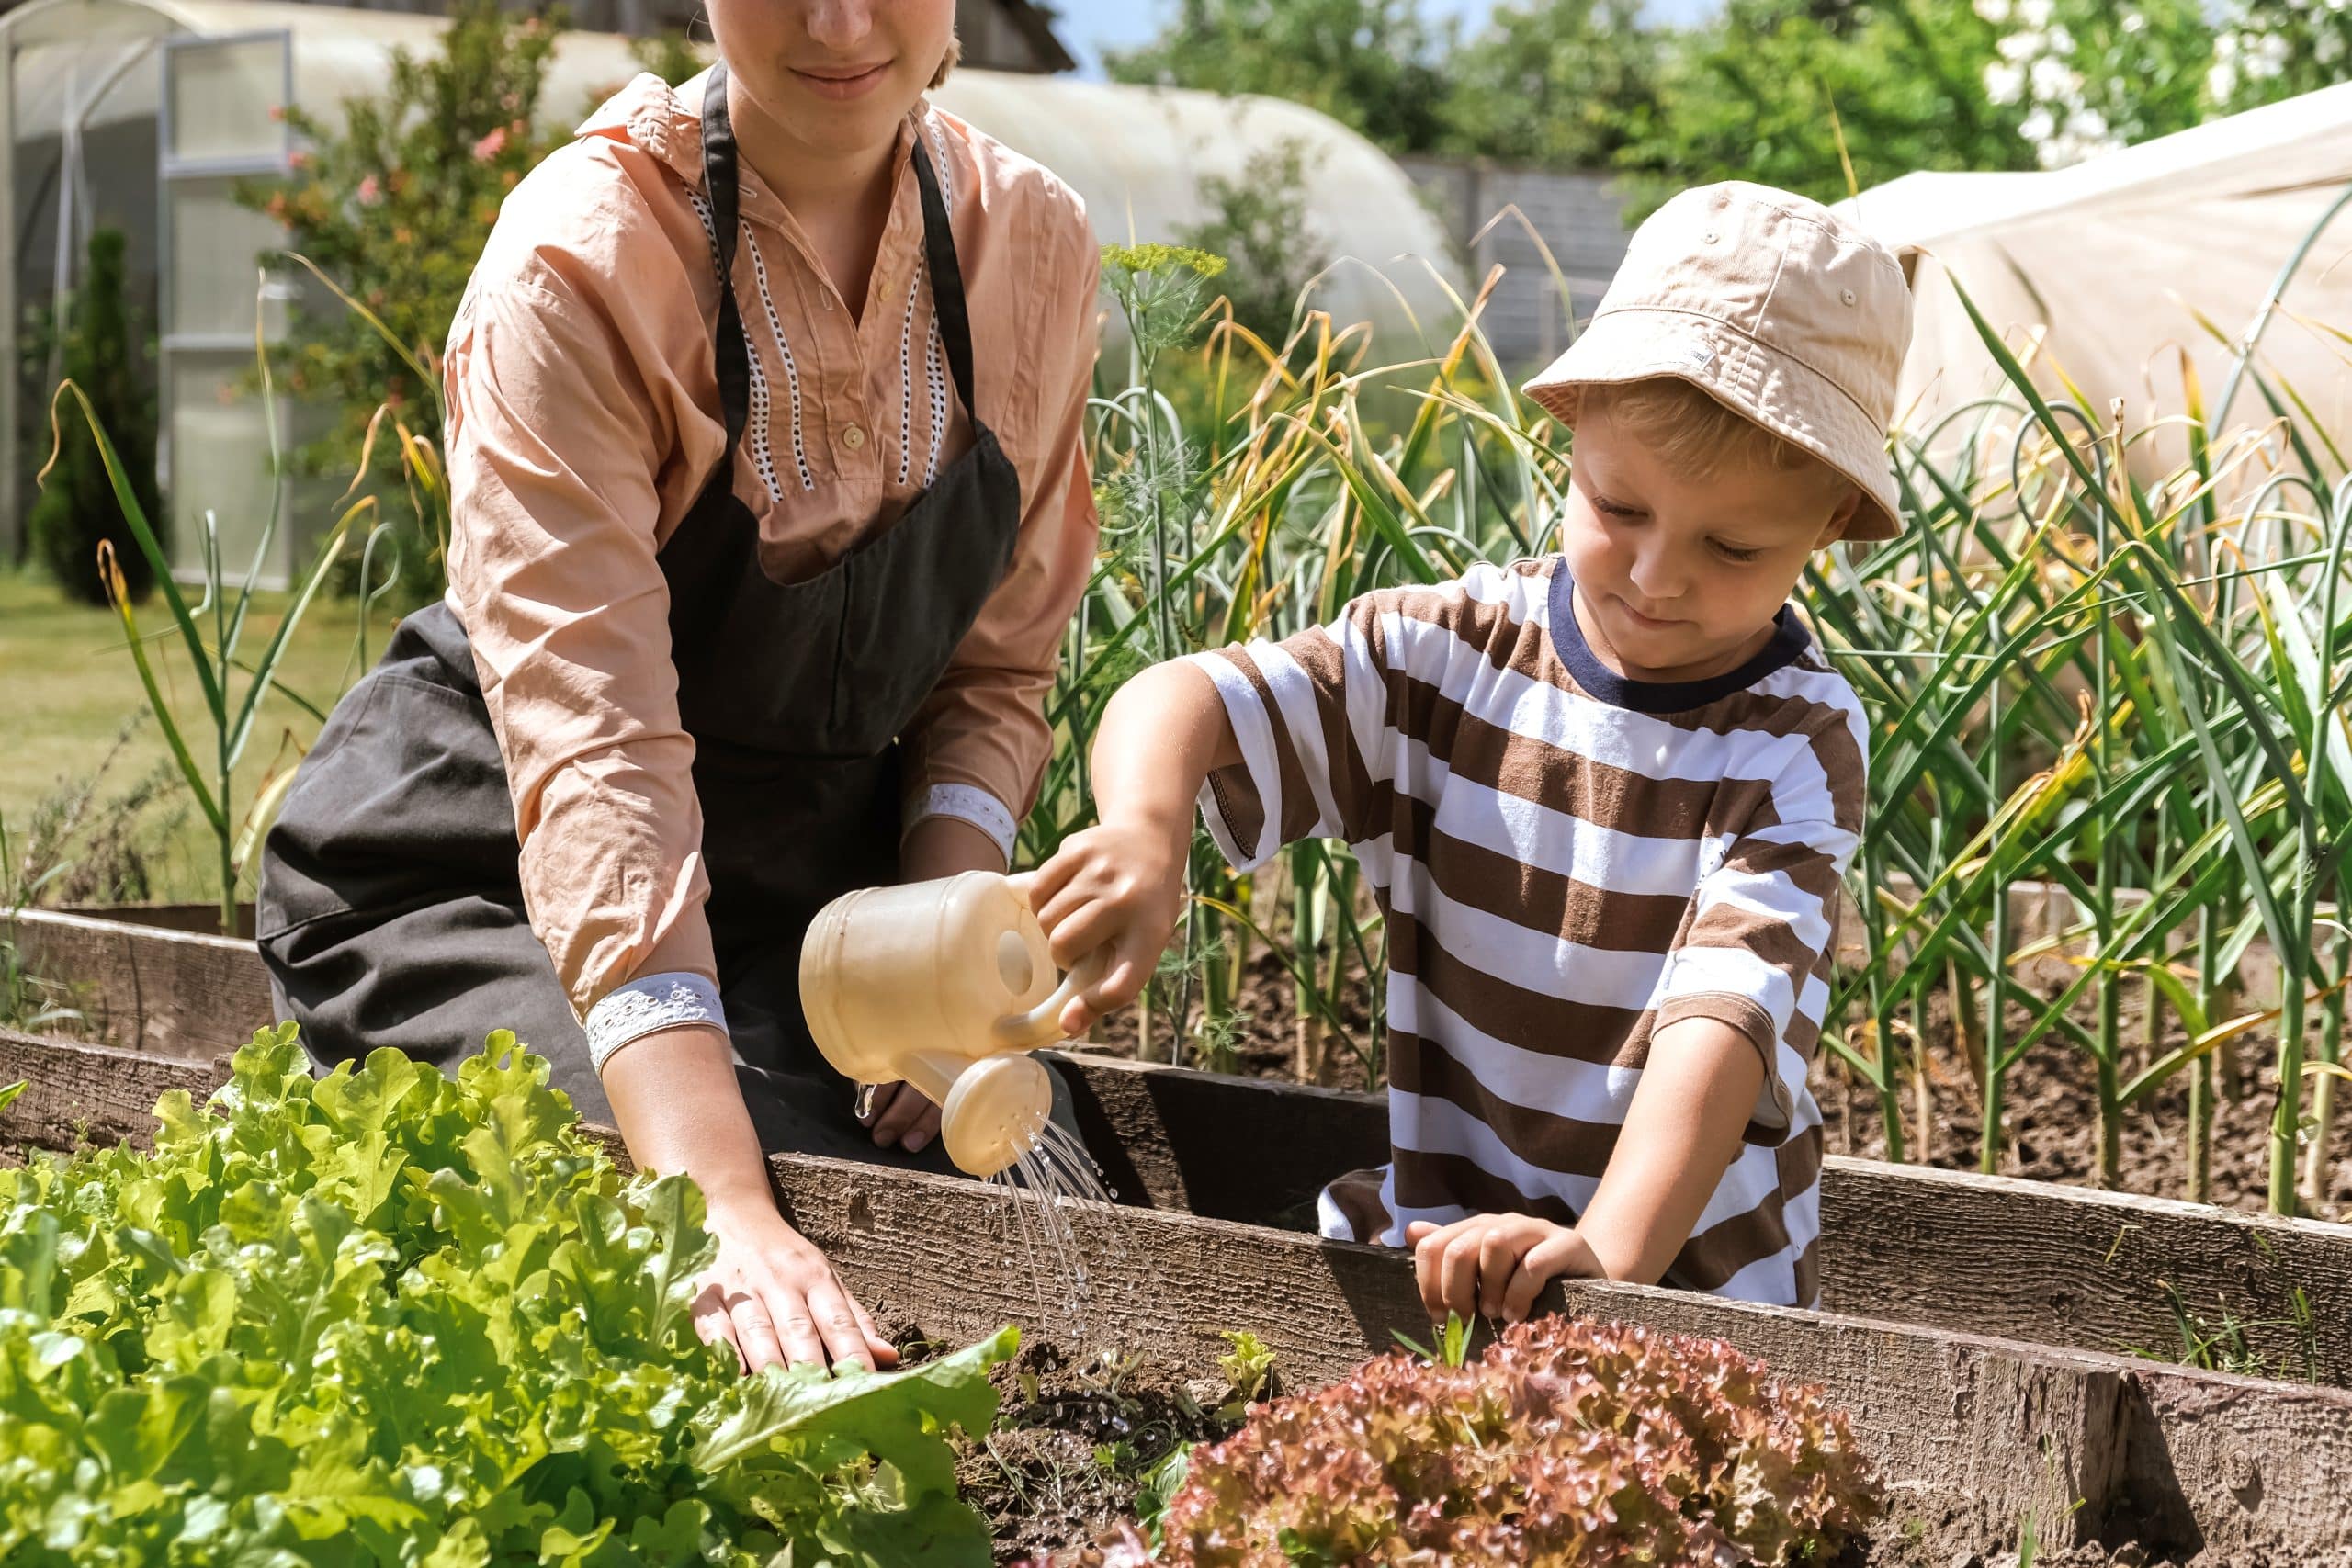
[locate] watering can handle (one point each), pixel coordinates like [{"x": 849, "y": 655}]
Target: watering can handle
[{"x": 1041, "y": 1026}]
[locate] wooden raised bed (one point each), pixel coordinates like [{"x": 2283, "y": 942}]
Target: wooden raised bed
[
  {"x": 1973, "y": 1434},
  {"x": 2033, "y": 1261}
]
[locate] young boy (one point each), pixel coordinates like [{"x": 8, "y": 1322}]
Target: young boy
[{"x": 1605, "y": 799}]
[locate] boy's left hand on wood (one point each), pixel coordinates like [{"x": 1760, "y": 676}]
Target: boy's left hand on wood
[{"x": 1495, "y": 1265}]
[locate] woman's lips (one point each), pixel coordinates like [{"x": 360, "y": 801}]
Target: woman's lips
[{"x": 842, "y": 85}]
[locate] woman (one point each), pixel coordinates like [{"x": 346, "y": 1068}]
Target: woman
[{"x": 770, "y": 505}]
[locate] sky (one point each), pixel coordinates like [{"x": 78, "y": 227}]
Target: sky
[{"x": 1087, "y": 27}]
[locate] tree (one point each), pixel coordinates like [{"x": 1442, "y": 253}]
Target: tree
[
  {"x": 2094, "y": 75},
  {"x": 1788, "y": 91},
  {"x": 1259, "y": 226},
  {"x": 1553, "y": 84},
  {"x": 2268, "y": 49},
  {"x": 1374, "y": 65},
  {"x": 77, "y": 508},
  {"x": 395, "y": 205}
]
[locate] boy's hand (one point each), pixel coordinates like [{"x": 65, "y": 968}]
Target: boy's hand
[
  {"x": 1494, "y": 1265},
  {"x": 1120, "y": 885}
]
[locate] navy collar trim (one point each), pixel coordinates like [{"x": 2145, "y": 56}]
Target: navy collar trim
[{"x": 1789, "y": 643}]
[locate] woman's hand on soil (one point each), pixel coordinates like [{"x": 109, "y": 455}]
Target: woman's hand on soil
[
  {"x": 1119, "y": 887},
  {"x": 901, "y": 1114},
  {"x": 772, "y": 1295},
  {"x": 1494, "y": 1265}
]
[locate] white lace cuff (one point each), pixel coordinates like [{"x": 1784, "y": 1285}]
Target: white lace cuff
[
  {"x": 648, "y": 1003},
  {"x": 967, "y": 803}
]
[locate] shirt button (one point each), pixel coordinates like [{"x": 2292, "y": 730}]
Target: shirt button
[{"x": 853, "y": 437}]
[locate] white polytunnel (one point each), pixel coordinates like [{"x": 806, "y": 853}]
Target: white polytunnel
[
  {"x": 145, "y": 115},
  {"x": 2118, "y": 264}
]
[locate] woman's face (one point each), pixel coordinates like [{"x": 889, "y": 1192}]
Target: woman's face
[{"x": 835, "y": 76}]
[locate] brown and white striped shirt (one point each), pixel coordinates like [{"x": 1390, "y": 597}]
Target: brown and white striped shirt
[{"x": 1569, "y": 861}]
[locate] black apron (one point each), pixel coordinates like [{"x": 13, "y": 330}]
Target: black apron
[{"x": 391, "y": 912}]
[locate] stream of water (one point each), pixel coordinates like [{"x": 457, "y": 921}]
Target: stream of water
[{"x": 1043, "y": 1190}]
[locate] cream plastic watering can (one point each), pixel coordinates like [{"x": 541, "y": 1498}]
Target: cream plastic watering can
[{"x": 946, "y": 986}]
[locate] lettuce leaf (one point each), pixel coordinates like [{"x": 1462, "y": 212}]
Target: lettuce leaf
[{"x": 392, "y": 1317}]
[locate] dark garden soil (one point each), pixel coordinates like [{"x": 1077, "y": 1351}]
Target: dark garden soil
[
  {"x": 1073, "y": 1443},
  {"x": 2050, "y": 1118}
]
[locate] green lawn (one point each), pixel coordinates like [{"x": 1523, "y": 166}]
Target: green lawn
[{"x": 70, "y": 686}]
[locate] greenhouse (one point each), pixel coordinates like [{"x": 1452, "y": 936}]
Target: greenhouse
[
  {"x": 147, "y": 114},
  {"x": 2120, "y": 266}
]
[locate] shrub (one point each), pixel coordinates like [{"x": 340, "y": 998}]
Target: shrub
[
  {"x": 394, "y": 204},
  {"x": 1258, "y": 224},
  {"x": 387, "y": 1317},
  {"x": 1569, "y": 1442},
  {"x": 77, "y": 507}
]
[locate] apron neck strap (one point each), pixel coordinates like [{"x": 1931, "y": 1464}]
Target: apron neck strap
[
  {"x": 719, "y": 173},
  {"x": 947, "y": 303},
  {"x": 734, "y": 350}
]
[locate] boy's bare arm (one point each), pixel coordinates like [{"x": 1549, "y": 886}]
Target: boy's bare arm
[
  {"x": 1680, "y": 1135},
  {"x": 1696, "y": 1094},
  {"x": 1121, "y": 883}
]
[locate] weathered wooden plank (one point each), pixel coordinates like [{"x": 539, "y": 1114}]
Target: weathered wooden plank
[
  {"x": 1226, "y": 1147},
  {"x": 2067, "y": 1265},
  {"x": 200, "y": 919},
  {"x": 2025, "y": 1261},
  {"x": 74, "y": 1092},
  {"x": 2020, "y": 1259},
  {"x": 1973, "y": 1434},
  {"x": 174, "y": 993}
]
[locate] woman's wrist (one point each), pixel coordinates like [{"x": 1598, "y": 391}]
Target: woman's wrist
[
  {"x": 942, "y": 846},
  {"x": 679, "y": 1107}
]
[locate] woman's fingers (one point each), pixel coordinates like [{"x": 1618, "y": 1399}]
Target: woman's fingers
[
  {"x": 898, "y": 1121},
  {"x": 838, "y": 1327},
  {"x": 714, "y": 1326},
  {"x": 764, "y": 1334},
  {"x": 785, "y": 1306},
  {"x": 885, "y": 1353}
]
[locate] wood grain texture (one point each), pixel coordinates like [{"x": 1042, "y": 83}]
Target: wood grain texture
[
  {"x": 148, "y": 989},
  {"x": 75, "y": 1092},
  {"x": 1991, "y": 1255},
  {"x": 1972, "y": 1434},
  {"x": 2099, "y": 1271},
  {"x": 2023, "y": 1260}
]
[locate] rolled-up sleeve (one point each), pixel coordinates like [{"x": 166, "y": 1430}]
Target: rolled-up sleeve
[
  {"x": 556, "y": 446},
  {"x": 977, "y": 747}
]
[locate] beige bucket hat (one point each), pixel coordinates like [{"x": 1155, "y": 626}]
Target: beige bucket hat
[{"x": 1768, "y": 303}]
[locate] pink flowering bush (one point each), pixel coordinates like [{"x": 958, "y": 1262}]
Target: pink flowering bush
[{"x": 1569, "y": 1442}]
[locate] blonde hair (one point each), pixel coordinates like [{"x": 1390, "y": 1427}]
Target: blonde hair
[
  {"x": 1692, "y": 434},
  {"x": 947, "y": 62}
]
